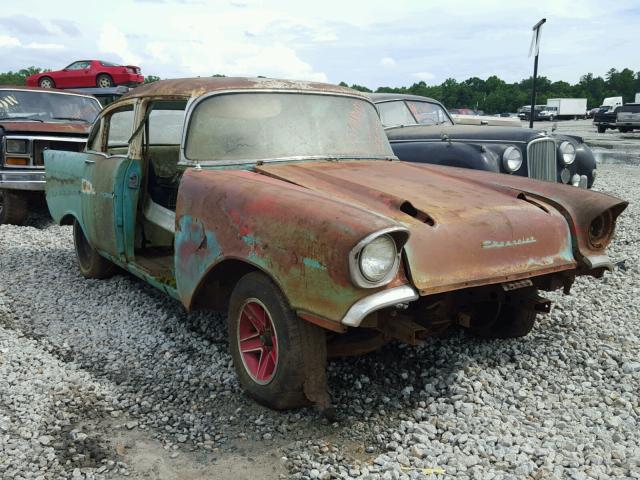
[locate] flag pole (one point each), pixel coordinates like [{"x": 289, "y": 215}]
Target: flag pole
[{"x": 535, "y": 47}]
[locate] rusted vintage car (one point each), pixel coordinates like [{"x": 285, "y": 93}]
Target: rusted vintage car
[
  {"x": 31, "y": 121},
  {"x": 282, "y": 202}
]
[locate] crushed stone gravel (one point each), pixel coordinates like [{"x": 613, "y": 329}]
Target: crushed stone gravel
[{"x": 82, "y": 359}]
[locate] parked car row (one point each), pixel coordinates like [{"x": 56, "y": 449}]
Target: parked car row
[{"x": 288, "y": 205}]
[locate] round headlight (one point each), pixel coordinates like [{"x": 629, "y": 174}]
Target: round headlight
[
  {"x": 568, "y": 152},
  {"x": 378, "y": 258},
  {"x": 512, "y": 159}
]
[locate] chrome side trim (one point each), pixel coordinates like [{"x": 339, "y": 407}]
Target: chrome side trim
[
  {"x": 598, "y": 261},
  {"x": 377, "y": 301},
  {"x": 354, "y": 268}
]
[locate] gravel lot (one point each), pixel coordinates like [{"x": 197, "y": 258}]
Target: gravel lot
[{"x": 111, "y": 379}]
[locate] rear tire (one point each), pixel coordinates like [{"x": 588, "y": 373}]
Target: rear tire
[
  {"x": 14, "y": 207},
  {"x": 280, "y": 360},
  {"x": 91, "y": 263},
  {"x": 601, "y": 129},
  {"x": 104, "y": 81},
  {"x": 46, "y": 82}
]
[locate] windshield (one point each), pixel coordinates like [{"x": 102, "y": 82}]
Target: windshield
[
  {"x": 47, "y": 106},
  {"x": 410, "y": 112},
  {"x": 255, "y": 126}
]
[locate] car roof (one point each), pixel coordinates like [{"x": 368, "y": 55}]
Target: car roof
[
  {"x": 196, "y": 87},
  {"x": 43, "y": 90},
  {"x": 385, "y": 97},
  {"x": 119, "y": 90}
]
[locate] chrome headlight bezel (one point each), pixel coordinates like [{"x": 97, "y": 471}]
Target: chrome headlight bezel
[
  {"x": 11, "y": 144},
  {"x": 512, "y": 154},
  {"x": 398, "y": 235},
  {"x": 567, "y": 152}
]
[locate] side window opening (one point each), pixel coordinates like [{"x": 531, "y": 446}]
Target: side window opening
[
  {"x": 120, "y": 130},
  {"x": 161, "y": 150}
]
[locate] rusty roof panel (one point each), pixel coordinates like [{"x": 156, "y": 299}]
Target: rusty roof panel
[{"x": 194, "y": 87}]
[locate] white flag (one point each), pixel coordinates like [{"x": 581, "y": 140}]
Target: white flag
[{"x": 534, "y": 48}]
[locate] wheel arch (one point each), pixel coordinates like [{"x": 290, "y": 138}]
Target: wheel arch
[{"x": 216, "y": 284}]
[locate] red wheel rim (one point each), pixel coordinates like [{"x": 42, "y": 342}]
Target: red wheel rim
[{"x": 257, "y": 341}]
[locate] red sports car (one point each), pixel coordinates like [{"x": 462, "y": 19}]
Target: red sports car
[{"x": 88, "y": 73}]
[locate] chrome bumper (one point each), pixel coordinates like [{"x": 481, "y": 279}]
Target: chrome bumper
[
  {"x": 598, "y": 261},
  {"x": 21, "y": 180},
  {"x": 377, "y": 301}
]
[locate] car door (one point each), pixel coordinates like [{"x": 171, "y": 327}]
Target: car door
[
  {"x": 65, "y": 77},
  {"x": 113, "y": 183}
]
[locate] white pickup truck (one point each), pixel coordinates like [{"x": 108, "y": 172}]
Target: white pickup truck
[{"x": 628, "y": 117}]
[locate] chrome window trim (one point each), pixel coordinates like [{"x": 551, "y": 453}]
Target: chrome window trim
[
  {"x": 195, "y": 101},
  {"x": 386, "y": 298},
  {"x": 354, "y": 266}
]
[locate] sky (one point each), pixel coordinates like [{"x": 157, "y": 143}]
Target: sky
[{"x": 371, "y": 43}]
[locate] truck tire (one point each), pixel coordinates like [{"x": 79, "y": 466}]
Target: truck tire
[
  {"x": 14, "y": 207},
  {"x": 91, "y": 263},
  {"x": 280, "y": 360},
  {"x": 601, "y": 129},
  {"x": 512, "y": 321}
]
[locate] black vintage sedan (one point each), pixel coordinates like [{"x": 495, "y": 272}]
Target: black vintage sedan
[{"x": 421, "y": 130}]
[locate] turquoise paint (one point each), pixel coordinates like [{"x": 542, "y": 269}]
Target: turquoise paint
[
  {"x": 130, "y": 197},
  {"x": 195, "y": 251},
  {"x": 64, "y": 172},
  {"x": 310, "y": 262},
  {"x": 251, "y": 240}
]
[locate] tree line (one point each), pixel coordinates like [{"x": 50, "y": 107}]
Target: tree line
[{"x": 492, "y": 95}]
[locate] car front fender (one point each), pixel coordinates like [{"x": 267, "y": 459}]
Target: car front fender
[
  {"x": 299, "y": 238},
  {"x": 448, "y": 153}
]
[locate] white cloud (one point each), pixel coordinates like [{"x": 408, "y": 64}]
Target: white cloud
[
  {"x": 44, "y": 46},
  {"x": 112, "y": 40},
  {"x": 387, "y": 62},
  {"x": 423, "y": 75},
  {"x": 219, "y": 43},
  {"x": 7, "y": 41}
]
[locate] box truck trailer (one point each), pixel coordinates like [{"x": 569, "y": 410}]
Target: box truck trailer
[{"x": 564, "y": 108}]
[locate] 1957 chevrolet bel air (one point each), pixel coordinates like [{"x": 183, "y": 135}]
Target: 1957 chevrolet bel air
[{"x": 283, "y": 202}]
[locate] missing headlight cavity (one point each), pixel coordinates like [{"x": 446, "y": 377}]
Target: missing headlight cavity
[{"x": 409, "y": 209}]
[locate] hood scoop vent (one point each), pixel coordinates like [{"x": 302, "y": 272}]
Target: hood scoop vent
[{"x": 409, "y": 209}]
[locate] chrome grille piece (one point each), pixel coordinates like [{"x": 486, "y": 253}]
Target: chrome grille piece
[{"x": 541, "y": 159}]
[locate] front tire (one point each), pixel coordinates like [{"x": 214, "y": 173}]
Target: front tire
[
  {"x": 511, "y": 320},
  {"x": 601, "y": 129},
  {"x": 14, "y": 207},
  {"x": 91, "y": 263},
  {"x": 104, "y": 81},
  {"x": 46, "y": 82},
  {"x": 280, "y": 360}
]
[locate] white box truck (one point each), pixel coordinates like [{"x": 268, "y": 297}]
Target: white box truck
[
  {"x": 611, "y": 102},
  {"x": 637, "y": 100},
  {"x": 564, "y": 108}
]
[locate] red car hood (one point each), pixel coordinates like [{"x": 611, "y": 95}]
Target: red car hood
[
  {"x": 75, "y": 128},
  {"x": 463, "y": 233}
]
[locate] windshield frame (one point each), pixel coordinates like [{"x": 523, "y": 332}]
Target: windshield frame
[
  {"x": 193, "y": 103},
  {"x": 404, "y": 101},
  {"x": 54, "y": 92}
]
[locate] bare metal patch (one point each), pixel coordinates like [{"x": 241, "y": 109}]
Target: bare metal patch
[{"x": 87, "y": 187}]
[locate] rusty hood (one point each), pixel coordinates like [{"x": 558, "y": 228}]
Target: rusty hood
[
  {"x": 76, "y": 129},
  {"x": 463, "y": 232}
]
